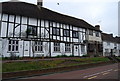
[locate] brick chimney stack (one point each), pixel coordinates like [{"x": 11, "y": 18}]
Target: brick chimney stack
[
  {"x": 97, "y": 27},
  {"x": 40, "y": 3}
]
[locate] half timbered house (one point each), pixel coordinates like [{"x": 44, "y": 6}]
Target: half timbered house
[{"x": 29, "y": 30}]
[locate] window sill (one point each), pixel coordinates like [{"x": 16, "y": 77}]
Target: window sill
[{"x": 12, "y": 52}]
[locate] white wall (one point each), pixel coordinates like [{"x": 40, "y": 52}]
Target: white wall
[
  {"x": 109, "y": 47},
  {"x": 33, "y": 21}
]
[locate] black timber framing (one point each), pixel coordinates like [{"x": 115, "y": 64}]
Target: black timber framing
[
  {"x": 40, "y": 30},
  {"x": 1, "y": 24},
  {"x": 37, "y": 28},
  {"x": 27, "y": 24},
  {"x": 7, "y": 25},
  {"x": 14, "y": 26},
  {"x": 20, "y": 26},
  {"x": 49, "y": 39}
]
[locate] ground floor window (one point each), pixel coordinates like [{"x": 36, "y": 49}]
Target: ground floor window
[
  {"x": 82, "y": 49},
  {"x": 57, "y": 47},
  {"x": 106, "y": 50},
  {"x": 13, "y": 46},
  {"x": 38, "y": 46},
  {"x": 67, "y": 48}
]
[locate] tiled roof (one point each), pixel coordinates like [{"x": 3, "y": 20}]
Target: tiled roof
[
  {"x": 33, "y": 11},
  {"x": 110, "y": 38}
]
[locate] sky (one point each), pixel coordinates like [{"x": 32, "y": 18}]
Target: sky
[{"x": 95, "y": 12}]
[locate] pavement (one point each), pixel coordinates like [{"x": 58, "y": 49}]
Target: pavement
[{"x": 100, "y": 72}]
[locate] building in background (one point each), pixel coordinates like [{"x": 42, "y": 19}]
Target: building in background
[
  {"x": 94, "y": 42},
  {"x": 110, "y": 45}
]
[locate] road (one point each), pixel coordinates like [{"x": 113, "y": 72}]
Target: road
[{"x": 101, "y": 72}]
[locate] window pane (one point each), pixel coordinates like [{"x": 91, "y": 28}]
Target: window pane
[
  {"x": 9, "y": 48},
  {"x": 13, "y": 48},
  {"x": 10, "y": 42},
  {"x": 16, "y": 48}
]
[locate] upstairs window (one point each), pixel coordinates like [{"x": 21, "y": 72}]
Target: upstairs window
[
  {"x": 115, "y": 44},
  {"x": 66, "y": 33},
  {"x": 67, "y": 48},
  {"x": 108, "y": 43},
  {"x": 75, "y": 34},
  {"x": 97, "y": 34},
  {"x": 31, "y": 30},
  {"x": 38, "y": 47},
  {"x": 91, "y": 32},
  {"x": 56, "y": 31},
  {"x": 82, "y": 49},
  {"x": 57, "y": 47},
  {"x": 13, "y": 46}
]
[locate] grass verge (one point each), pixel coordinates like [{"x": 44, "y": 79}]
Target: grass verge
[{"x": 38, "y": 65}]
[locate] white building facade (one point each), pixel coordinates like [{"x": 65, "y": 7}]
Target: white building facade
[
  {"x": 34, "y": 31},
  {"x": 110, "y": 45}
]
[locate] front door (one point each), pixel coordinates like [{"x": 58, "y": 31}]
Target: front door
[
  {"x": 76, "y": 50},
  {"x": 26, "y": 49}
]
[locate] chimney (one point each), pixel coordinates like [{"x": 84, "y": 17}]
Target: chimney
[
  {"x": 97, "y": 27},
  {"x": 40, "y": 3},
  {"x": 111, "y": 35}
]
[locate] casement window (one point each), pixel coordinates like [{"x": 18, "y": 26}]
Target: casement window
[
  {"x": 13, "y": 46},
  {"x": 75, "y": 34},
  {"x": 97, "y": 34},
  {"x": 66, "y": 33},
  {"x": 115, "y": 44},
  {"x": 57, "y": 47},
  {"x": 108, "y": 43},
  {"x": 82, "y": 49},
  {"x": 56, "y": 31},
  {"x": 67, "y": 48},
  {"x": 91, "y": 32},
  {"x": 31, "y": 30},
  {"x": 106, "y": 50},
  {"x": 38, "y": 47}
]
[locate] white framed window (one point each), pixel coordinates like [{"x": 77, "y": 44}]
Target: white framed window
[
  {"x": 13, "y": 46},
  {"x": 56, "y": 47},
  {"x": 67, "y": 32},
  {"x": 106, "y": 50},
  {"x": 82, "y": 49},
  {"x": 91, "y": 32},
  {"x": 75, "y": 34},
  {"x": 97, "y": 34},
  {"x": 67, "y": 47},
  {"x": 56, "y": 31},
  {"x": 38, "y": 47},
  {"x": 108, "y": 43}
]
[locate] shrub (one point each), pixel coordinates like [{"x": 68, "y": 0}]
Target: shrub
[{"x": 86, "y": 55}]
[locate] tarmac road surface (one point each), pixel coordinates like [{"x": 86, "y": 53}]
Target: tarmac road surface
[{"x": 101, "y": 72}]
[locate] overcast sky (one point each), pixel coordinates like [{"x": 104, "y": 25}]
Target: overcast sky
[{"x": 102, "y": 12}]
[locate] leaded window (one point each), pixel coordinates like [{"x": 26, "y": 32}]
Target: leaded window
[
  {"x": 56, "y": 47},
  {"x": 91, "y": 32},
  {"x": 38, "y": 46},
  {"x": 56, "y": 31},
  {"x": 75, "y": 34},
  {"x": 13, "y": 46},
  {"x": 67, "y": 48},
  {"x": 66, "y": 32}
]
